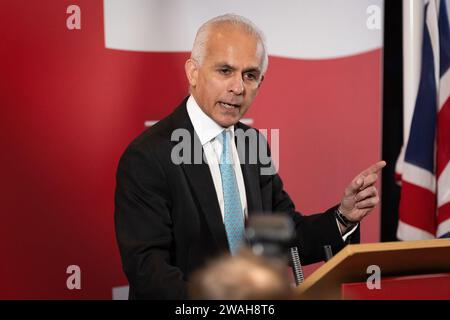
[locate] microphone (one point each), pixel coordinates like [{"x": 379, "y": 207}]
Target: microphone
[
  {"x": 296, "y": 266},
  {"x": 328, "y": 252}
]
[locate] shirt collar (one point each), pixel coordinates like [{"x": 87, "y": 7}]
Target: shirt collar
[{"x": 205, "y": 127}]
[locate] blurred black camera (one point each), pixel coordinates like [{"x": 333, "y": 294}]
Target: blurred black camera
[{"x": 272, "y": 236}]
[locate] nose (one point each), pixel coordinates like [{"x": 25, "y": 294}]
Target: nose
[{"x": 237, "y": 85}]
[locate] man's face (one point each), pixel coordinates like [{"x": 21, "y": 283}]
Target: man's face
[{"x": 228, "y": 80}]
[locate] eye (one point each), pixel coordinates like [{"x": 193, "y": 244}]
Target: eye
[
  {"x": 250, "y": 76},
  {"x": 224, "y": 71}
]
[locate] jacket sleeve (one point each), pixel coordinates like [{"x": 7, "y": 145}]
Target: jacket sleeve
[
  {"x": 143, "y": 228},
  {"x": 313, "y": 232}
]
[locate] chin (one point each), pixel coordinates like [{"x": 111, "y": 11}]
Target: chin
[{"x": 228, "y": 122}]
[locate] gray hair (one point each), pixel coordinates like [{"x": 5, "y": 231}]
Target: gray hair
[{"x": 198, "y": 50}]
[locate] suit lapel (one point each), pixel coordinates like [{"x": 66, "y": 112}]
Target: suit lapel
[
  {"x": 201, "y": 182},
  {"x": 202, "y": 185},
  {"x": 250, "y": 173},
  {"x": 251, "y": 180}
]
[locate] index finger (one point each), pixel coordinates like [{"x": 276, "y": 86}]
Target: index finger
[{"x": 375, "y": 168}]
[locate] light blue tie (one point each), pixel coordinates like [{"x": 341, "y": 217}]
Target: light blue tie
[{"x": 233, "y": 215}]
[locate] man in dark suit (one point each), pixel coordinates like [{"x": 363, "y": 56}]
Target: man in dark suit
[{"x": 172, "y": 216}]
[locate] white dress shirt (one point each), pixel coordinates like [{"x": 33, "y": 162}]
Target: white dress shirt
[{"x": 208, "y": 130}]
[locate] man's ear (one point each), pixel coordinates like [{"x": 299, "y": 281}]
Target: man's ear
[
  {"x": 260, "y": 82},
  {"x": 191, "y": 69}
]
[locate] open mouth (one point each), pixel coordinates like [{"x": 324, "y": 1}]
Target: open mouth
[{"x": 229, "y": 106}]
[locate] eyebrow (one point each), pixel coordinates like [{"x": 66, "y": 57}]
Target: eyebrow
[{"x": 249, "y": 69}]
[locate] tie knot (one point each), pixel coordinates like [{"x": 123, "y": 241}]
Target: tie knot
[{"x": 224, "y": 136}]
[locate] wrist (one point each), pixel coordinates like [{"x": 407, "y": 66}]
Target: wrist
[{"x": 343, "y": 220}]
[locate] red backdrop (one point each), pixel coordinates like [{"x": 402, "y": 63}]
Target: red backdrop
[{"x": 69, "y": 107}]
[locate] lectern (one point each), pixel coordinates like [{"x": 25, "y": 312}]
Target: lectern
[{"x": 408, "y": 270}]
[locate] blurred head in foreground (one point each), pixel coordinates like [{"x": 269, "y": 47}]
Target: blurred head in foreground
[{"x": 241, "y": 277}]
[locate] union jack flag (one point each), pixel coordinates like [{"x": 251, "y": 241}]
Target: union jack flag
[{"x": 423, "y": 166}]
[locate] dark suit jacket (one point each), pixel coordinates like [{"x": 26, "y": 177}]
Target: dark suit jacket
[{"x": 167, "y": 217}]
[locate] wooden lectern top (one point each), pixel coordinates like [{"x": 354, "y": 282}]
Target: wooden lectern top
[{"x": 394, "y": 259}]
